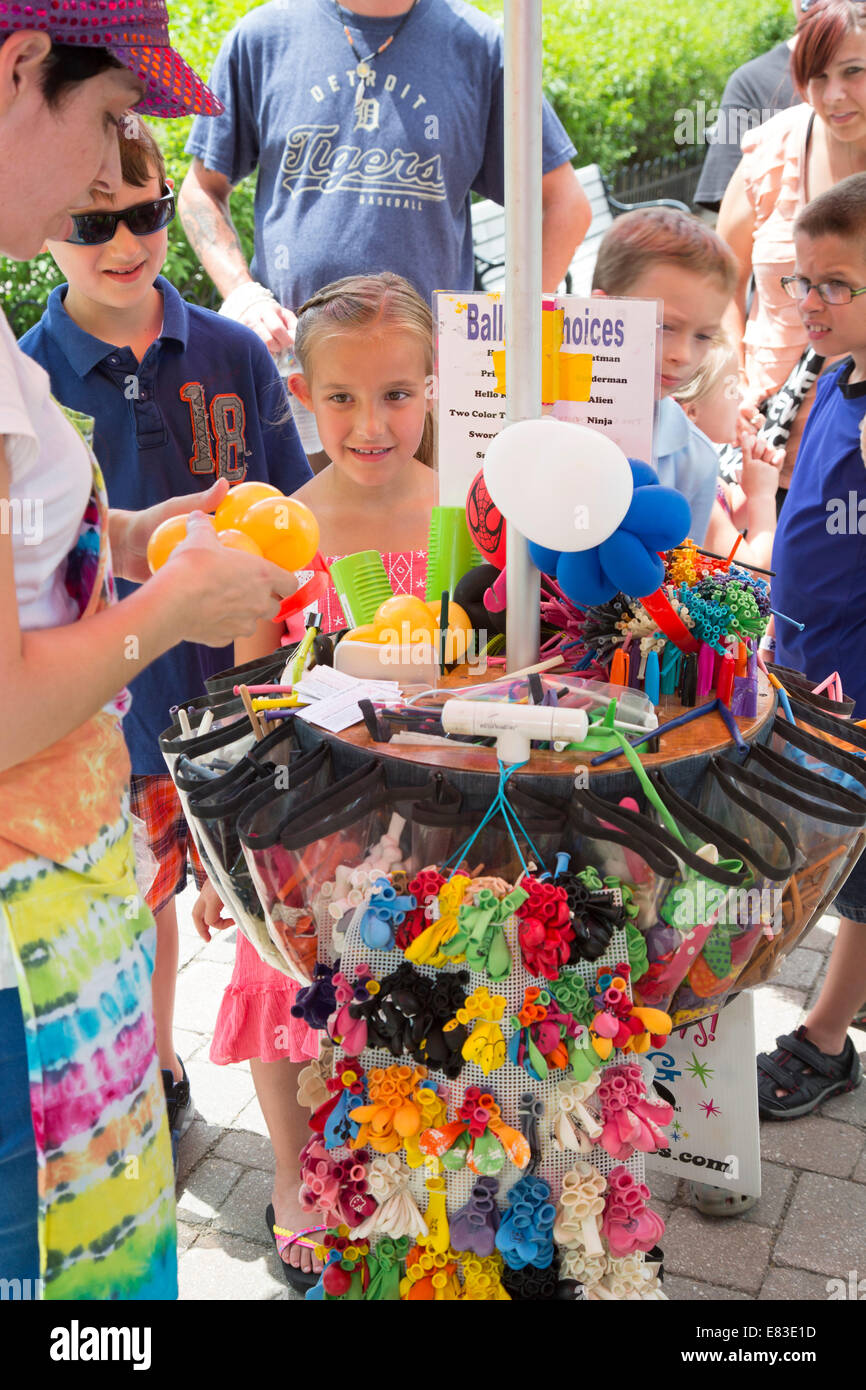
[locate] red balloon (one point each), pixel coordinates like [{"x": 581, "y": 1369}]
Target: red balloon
[
  {"x": 336, "y": 1281},
  {"x": 486, "y": 522}
]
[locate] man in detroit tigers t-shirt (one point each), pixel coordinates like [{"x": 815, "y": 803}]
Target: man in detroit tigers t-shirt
[{"x": 360, "y": 173}]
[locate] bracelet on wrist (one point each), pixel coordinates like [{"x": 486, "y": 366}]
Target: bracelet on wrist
[{"x": 243, "y": 297}]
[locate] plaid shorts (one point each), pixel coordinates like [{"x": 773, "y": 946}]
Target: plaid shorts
[{"x": 154, "y": 800}]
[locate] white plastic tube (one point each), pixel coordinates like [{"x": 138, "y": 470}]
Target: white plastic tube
[{"x": 514, "y": 726}]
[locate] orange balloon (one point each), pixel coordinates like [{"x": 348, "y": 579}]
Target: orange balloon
[
  {"x": 286, "y": 531},
  {"x": 404, "y": 619},
  {"x": 163, "y": 541},
  {"x": 236, "y": 540},
  {"x": 238, "y": 500},
  {"x": 367, "y": 633}
]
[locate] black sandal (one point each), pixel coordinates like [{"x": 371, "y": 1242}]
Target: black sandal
[
  {"x": 300, "y": 1280},
  {"x": 806, "y": 1074}
]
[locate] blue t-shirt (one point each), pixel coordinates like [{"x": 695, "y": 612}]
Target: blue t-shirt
[
  {"x": 687, "y": 460},
  {"x": 205, "y": 402},
  {"x": 346, "y": 188},
  {"x": 819, "y": 553}
]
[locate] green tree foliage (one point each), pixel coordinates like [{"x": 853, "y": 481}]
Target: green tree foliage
[{"x": 617, "y": 72}]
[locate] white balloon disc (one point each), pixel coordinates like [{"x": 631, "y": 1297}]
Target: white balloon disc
[{"x": 563, "y": 486}]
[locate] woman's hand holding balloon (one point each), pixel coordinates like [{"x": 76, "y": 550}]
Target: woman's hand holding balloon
[
  {"x": 218, "y": 593},
  {"x": 131, "y": 531}
]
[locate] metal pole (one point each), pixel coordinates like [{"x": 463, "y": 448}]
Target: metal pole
[{"x": 522, "y": 293}]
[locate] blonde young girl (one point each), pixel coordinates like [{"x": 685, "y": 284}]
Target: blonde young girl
[
  {"x": 365, "y": 344},
  {"x": 711, "y": 400}
]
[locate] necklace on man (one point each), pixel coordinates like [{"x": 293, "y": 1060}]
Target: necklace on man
[{"x": 363, "y": 69}]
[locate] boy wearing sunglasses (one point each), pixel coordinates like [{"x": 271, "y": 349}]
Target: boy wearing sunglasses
[
  {"x": 819, "y": 557},
  {"x": 180, "y": 397}
]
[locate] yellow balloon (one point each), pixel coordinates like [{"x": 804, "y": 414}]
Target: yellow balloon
[
  {"x": 286, "y": 530},
  {"x": 459, "y": 629},
  {"x": 238, "y": 500},
  {"x": 163, "y": 541},
  {"x": 236, "y": 540},
  {"x": 369, "y": 632},
  {"x": 403, "y": 620}
]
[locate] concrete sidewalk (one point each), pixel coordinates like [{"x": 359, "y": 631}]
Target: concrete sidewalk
[{"x": 809, "y": 1226}]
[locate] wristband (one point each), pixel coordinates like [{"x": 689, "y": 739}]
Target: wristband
[
  {"x": 767, "y": 643},
  {"x": 236, "y": 304}
]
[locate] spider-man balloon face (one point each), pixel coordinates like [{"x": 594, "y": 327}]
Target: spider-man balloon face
[{"x": 486, "y": 522}]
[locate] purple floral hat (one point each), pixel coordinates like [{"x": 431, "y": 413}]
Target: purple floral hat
[{"x": 136, "y": 33}]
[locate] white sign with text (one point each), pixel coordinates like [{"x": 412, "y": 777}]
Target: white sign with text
[
  {"x": 709, "y": 1072},
  {"x": 600, "y": 371}
]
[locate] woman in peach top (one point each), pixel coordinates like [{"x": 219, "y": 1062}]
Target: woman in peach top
[{"x": 787, "y": 161}]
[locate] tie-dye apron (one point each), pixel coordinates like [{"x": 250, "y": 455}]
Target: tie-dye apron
[{"x": 83, "y": 942}]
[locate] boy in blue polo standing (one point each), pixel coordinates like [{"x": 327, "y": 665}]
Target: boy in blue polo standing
[
  {"x": 819, "y": 558},
  {"x": 180, "y": 398}
]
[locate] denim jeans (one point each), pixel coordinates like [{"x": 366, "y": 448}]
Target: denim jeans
[{"x": 19, "y": 1249}]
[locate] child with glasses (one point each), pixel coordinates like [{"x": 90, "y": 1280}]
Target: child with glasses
[
  {"x": 180, "y": 397},
  {"x": 819, "y": 557}
]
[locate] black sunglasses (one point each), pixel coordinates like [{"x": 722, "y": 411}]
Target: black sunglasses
[{"x": 95, "y": 228}]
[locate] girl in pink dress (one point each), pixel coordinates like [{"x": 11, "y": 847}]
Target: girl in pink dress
[{"x": 365, "y": 345}]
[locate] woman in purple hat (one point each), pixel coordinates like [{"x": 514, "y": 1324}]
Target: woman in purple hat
[{"x": 86, "y": 1182}]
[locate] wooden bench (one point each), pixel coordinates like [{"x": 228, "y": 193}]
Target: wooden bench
[{"x": 488, "y": 234}]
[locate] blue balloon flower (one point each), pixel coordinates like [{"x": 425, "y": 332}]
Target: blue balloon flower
[{"x": 658, "y": 518}]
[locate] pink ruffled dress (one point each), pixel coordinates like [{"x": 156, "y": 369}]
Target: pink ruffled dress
[
  {"x": 407, "y": 574},
  {"x": 255, "y": 1016}
]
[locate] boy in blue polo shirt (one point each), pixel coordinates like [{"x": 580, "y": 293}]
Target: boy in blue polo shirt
[
  {"x": 180, "y": 397},
  {"x": 819, "y": 559},
  {"x": 666, "y": 254}
]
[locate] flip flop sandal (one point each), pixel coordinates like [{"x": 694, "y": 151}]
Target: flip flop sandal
[
  {"x": 806, "y": 1074},
  {"x": 715, "y": 1201},
  {"x": 298, "y": 1279}
]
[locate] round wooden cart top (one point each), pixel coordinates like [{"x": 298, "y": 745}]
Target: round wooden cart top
[{"x": 700, "y": 737}]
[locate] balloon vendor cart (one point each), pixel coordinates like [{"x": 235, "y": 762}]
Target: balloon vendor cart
[{"x": 503, "y": 887}]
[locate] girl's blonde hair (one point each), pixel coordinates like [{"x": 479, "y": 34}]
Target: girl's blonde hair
[
  {"x": 367, "y": 301},
  {"x": 710, "y": 373}
]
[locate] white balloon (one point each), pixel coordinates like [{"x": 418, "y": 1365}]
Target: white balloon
[{"x": 563, "y": 486}]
